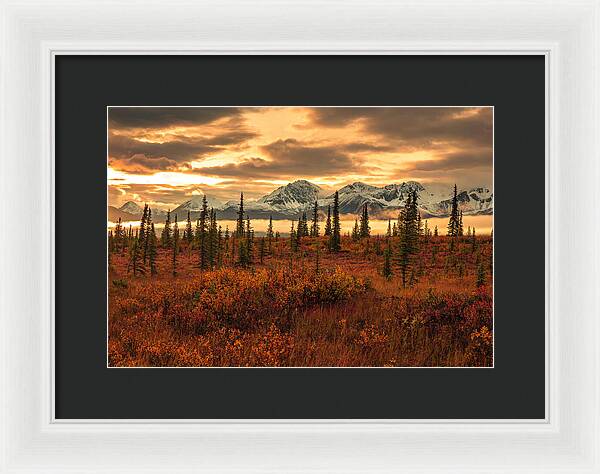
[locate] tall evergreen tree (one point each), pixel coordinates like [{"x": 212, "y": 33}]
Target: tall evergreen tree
[
  {"x": 203, "y": 241},
  {"x": 213, "y": 236},
  {"x": 460, "y": 224},
  {"x": 387, "y": 261},
  {"x": 473, "y": 241},
  {"x": 328, "y": 222},
  {"x": 304, "y": 227},
  {"x": 240, "y": 219},
  {"x": 355, "y": 231},
  {"x": 389, "y": 229},
  {"x": 149, "y": 224},
  {"x": 314, "y": 228},
  {"x": 136, "y": 258},
  {"x": 435, "y": 231},
  {"x": 270, "y": 232},
  {"x": 119, "y": 236},
  {"x": 365, "y": 230},
  {"x": 175, "y": 246},
  {"x": 197, "y": 234},
  {"x": 165, "y": 236},
  {"x": 220, "y": 245},
  {"x": 293, "y": 239},
  {"x": 335, "y": 240},
  {"x": 142, "y": 234},
  {"x": 453, "y": 222},
  {"x": 409, "y": 236},
  {"x": 188, "y": 233}
]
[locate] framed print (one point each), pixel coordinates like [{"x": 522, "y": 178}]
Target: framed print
[{"x": 266, "y": 238}]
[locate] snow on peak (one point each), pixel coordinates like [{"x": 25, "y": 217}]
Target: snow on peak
[
  {"x": 195, "y": 203},
  {"x": 292, "y": 196},
  {"x": 131, "y": 208}
]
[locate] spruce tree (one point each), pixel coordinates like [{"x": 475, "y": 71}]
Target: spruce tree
[
  {"x": 213, "y": 243},
  {"x": 387, "y": 261},
  {"x": 435, "y": 231},
  {"x": 453, "y": 222},
  {"x": 242, "y": 253},
  {"x": 240, "y": 219},
  {"x": 305, "y": 232},
  {"x": 165, "y": 236},
  {"x": 473, "y": 241},
  {"x": 314, "y": 228},
  {"x": 409, "y": 236},
  {"x": 136, "y": 262},
  {"x": 270, "y": 232},
  {"x": 389, "y": 229},
  {"x": 175, "y": 246},
  {"x": 142, "y": 234},
  {"x": 365, "y": 230},
  {"x": 293, "y": 239},
  {"x": 119, "y": 236},
  {"x": 220, "y": 245},
  {"x": 152, "y": 249},
  {"x": 188, "y": 234},
  {"x": 355, "y": 231},
  {"x": 149, "y": 224},
  {"x": 299, "y": 233},
  {"x": 335, "y": 241},
  {"x": 203, "y": 241},
  {"x": 197, "y": 232},
  {"x": 460, "y": 224},
  {"x": 328, "y": 222}
]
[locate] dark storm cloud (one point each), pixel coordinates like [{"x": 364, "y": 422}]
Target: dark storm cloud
[
  {"x": 125, "y": 152},
  {"x": 418, "y": 126},
  {"x": 288, "y": 158},
  {"x": 453, "y": 161},
  {"x": 142, "y": 164},
  {"x": 162, "y": 117}
]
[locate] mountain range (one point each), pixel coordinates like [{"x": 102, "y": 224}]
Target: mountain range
[{"x": 289, "y": 201}]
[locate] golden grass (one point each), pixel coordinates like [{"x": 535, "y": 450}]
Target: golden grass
[{"x": 283, "y": 314}]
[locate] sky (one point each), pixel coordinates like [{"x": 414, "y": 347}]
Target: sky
[{"x": 164, "y": 155}]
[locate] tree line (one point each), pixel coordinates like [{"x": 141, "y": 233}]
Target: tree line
[{"x": 240, "y": 247}]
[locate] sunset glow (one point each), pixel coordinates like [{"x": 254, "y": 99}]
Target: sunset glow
[{"x": 165, "y": 155}]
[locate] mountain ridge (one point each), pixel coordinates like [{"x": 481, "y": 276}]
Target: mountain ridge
[{"x": 290, "y": 200}]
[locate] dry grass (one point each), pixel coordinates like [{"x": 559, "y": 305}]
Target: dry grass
[{"x": 284, "y": 313}]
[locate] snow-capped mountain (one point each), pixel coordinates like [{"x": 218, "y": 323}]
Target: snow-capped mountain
[
  {"x": 354, "y": 196},
  {"x": 131, "y": 207},
  {"x": 195, "y": 205},
  {"x": 292, "y": 197},
  {"x": 131, "y": 211},
  {"x": 287, "y": 202},
  {"x": 471, "y": 202}
]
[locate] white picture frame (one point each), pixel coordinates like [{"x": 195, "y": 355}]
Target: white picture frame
[{"x": 566, "y": 33}]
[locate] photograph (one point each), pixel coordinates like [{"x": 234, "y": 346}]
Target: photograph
[{"x": 300, "y": 236}]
